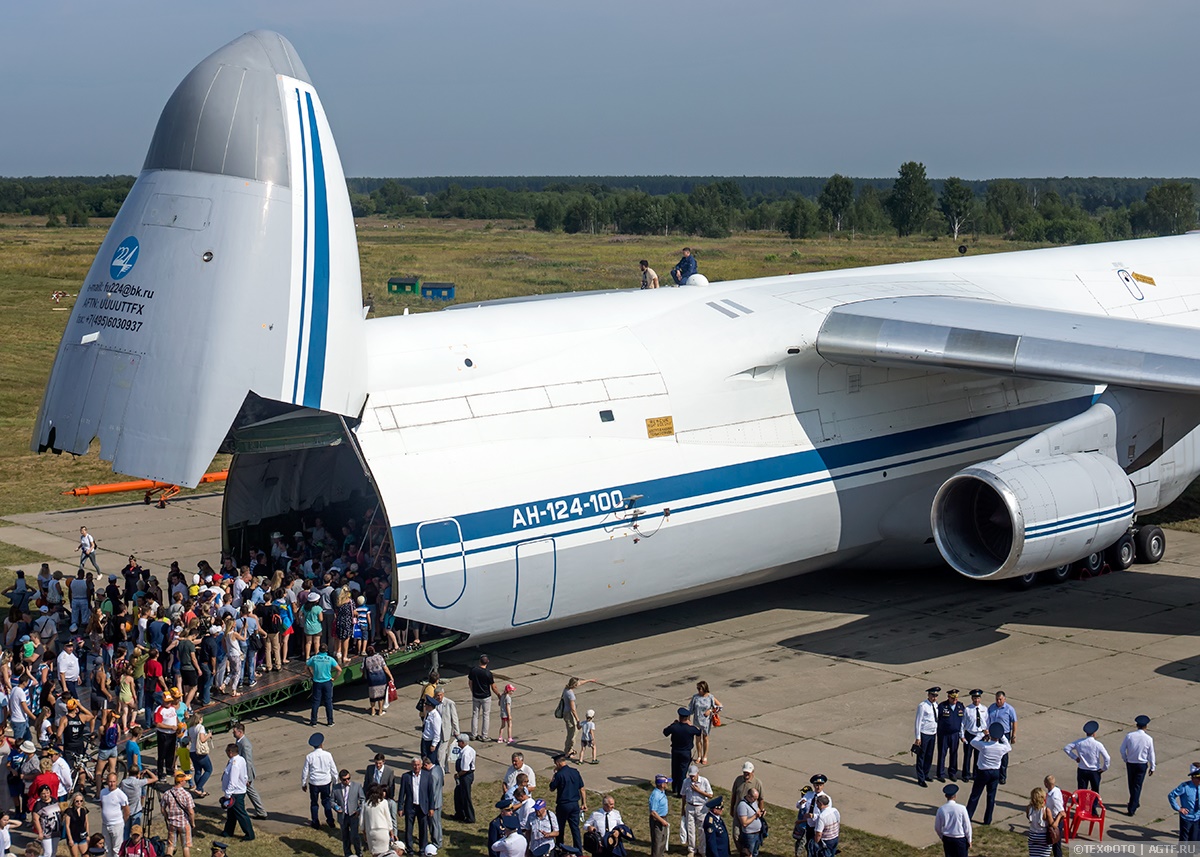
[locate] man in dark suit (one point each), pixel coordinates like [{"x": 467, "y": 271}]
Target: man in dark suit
[
  {"x": 379, "y": 774},
  {"x": 433, "y": 780},
  {"x": 348, "y": 801},
  {"x": 414, "y": 804}
]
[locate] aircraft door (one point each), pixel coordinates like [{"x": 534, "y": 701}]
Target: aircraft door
[
  {"x": 537, "y": 574},
  {"x": 443, "y": 562}
]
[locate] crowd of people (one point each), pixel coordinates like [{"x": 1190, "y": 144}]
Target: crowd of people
[{"x": 97, "y": 667}]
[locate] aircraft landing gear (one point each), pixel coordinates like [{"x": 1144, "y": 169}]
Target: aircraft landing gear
[
  {"x": 1151, "y": 544},
  {"x": 1145, "y": 545}
]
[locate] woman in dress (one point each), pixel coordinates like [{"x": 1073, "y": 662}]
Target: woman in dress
[
  {"x": 343, "y": 623},
  {"x": 378, "y": 676},
  {"x": 378, "y": 824},
  {"x": 1039, "y": 821},
  {"x": 703, "y": 705}
]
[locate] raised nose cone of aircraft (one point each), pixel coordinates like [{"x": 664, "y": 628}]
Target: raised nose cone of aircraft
[{"x": 226, "y": 116}]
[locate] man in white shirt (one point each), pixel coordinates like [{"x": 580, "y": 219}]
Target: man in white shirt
[
  {"x": 992, "y": 752},
  {"x": 1137, "y": 751},
  {"x": 605, "y": 820},
  {"x": 63, "y": 769},
  {"x": 431, "y": 732},
  {"x": 114, "y": 811},
  {"x": 464, "y": 779},
  {"x": 234, "y": 781},
  {"x": 19, "y": 712},
  {"x": 518, "y": 766},
  {"x": 952, "y": 825},
  {"x": 974, "y": 726},
  {"x": 697, "y": 791},
  {"x": 1058, "y": 811},
  {"x": 828, "y": 826},
  {"x": 317, "y": 778},
  {"x": 807, "y": 805},
  {"x": 524, "y": 807},
  {"x": 1091, "y": 756},
  {"x": 925, "y": 734},
  {"x": 68, "y": 669}
]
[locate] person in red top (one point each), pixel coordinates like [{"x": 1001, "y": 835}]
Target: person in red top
[{"x": 46, "y": 778}]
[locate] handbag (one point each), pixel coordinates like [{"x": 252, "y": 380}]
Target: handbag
[
  {"x": 560, "y": 709},
  {"x": 1053, "y": 833},
  {"x": 716, "y": 718},
  {"x": 392, "y": 694},
  {"x": 763, "y": 833}
]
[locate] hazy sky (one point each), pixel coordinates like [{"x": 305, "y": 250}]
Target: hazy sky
[{"x": 702, "y": 87}]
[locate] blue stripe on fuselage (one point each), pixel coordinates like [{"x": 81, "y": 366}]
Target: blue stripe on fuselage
[
  {"x": 863, "y": 456},
  {"x": 314, "y": 377},
  {"x": 304, "y": 252}
]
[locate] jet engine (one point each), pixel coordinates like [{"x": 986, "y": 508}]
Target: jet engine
[{"x": 1010, "y": 517}]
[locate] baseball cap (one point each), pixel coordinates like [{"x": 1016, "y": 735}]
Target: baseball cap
[
  {"x": 539, "y": 804},
  {"x": 136, "y": 828},
  {"x": 590, "y": 713},
  {"x": 747, "y": 767},
  {"x": 661, "y": 779}
]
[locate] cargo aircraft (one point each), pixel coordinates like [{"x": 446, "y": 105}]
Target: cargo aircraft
[{"x": 548, "y": 461}]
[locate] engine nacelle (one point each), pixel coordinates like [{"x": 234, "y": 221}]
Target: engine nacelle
[{"x": 1007, "y": 518}]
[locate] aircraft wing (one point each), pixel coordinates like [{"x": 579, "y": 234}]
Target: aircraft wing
[{"x": 996, "y": 338}]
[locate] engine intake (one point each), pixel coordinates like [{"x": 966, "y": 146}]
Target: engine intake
[{"x": 1007, "y": 518}]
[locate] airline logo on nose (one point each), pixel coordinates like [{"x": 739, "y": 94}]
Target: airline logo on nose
[{"x": 124, "y": 259}]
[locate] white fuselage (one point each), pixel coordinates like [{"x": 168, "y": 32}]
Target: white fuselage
[{"x": 554, "y": 461}]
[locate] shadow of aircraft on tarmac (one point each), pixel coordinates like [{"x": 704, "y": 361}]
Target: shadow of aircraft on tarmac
[{"x": 904, "y": 617}]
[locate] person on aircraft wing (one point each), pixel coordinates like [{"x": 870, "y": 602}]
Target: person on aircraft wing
[{"x": 685, "y": 268}]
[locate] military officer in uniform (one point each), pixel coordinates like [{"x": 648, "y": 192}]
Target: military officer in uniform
[
  {"x": 807, "y": 805},
  {"x": 1091, "y": 756},
  {"x": 925, "y": 734},
  {"x": 1137, "y": 751},
  {"x": 950, "y": 715},
  {"x": 975, "y": 724},
  {"x": 716, "y": 837}
]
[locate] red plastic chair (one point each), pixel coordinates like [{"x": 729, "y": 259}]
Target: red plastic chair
[
  {"x": 1089, "y": 808},
  {"x": 1069, "y": 809}
]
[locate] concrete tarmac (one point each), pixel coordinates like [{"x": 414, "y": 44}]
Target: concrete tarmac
[{"x": 820, "y": 673}]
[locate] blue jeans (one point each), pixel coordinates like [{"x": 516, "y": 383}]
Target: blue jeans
[
  {"x": 134, "y": 818},
  {"x": 206, "y": 680},
  {"x": 753, "y": 841},
  {"x": 80, "y": 612},
  {"x": 322, "y": 694},
  {"x": 203, "y": 768}
]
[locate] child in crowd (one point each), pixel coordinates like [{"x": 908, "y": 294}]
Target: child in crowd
[
  {"x": 587, "y": 735},
  {"x": 506, "y": 714}
]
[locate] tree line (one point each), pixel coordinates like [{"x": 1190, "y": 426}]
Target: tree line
[{"x": 1061, "y": 211}]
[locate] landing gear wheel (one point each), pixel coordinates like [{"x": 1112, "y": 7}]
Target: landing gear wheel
[
  {"x": 1025, "y": 581},
  {"x": 1120, "y": 555},
  {"x": 1151, "y": 544},
  {"x": 1092, "y": 564},
  {"x": 1058, "y": 575}
]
